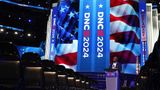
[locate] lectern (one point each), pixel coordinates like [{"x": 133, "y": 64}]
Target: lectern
[{"x": 112, "y": 80}]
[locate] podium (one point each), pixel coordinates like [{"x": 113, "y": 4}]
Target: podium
[{"x": 112, "y": 80}]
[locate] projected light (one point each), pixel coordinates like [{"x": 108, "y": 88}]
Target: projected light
[
  {"x": 25, "y": 49},
  {"x": 19, "y": 18},
  {"x": 23, "y": 5}
]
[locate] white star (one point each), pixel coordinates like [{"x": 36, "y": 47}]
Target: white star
[
  {"x": 71, "y": 35},
  {"x": 65, "y": 25},
  {"x": 62, "y": 10},
  {"x": 66, "y": 7},
  {"x": 71, "y": 14},
  {"x": 87, "y": 6},
  {"x": 100, "y": 5}
]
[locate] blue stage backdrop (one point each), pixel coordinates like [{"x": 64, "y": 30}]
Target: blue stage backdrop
[
  {"x": 25, "y": 49},
  {"x": 101, "y": 57},
  {"x": 107, "y": 28},
  {"x": 93, "y": 36},
  {"x": 51, "y": 36},
  {"x": 143, "y": 27},
  {"x": 53, "y": 31},
  {"x": 125, "y": 33}
]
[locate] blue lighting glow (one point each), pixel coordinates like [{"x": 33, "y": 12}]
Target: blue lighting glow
[
  {"x": 12, "y": 28},
  {"x": 29, "y": 20},
  {"x": 23, "y": 5},
  {"x": 25, "y": 49}
]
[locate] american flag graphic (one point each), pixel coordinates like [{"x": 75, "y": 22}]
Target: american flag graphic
[
  {"x": 124, "y": 30},
  {"x": 67, "y": 33}
]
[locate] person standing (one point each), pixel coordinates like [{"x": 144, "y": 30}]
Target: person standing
[{"x": 115, "y": 64}]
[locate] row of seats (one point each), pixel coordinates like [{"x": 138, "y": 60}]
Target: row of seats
[{"x": 31, "y": 73}]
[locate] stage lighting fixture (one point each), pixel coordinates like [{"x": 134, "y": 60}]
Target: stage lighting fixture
[
  {"x": 16, "y": 33},
  {"x": 35, "y": 37},
  {"x": 11, "y": 42},
  {"x": 29, "y": 20},
  {"x": 9, "y": 15},
  {"x": 29, "y": 35},
  {"x": 1, "y": 30},
  {"x": 6, "y": 32},
  {"x": 21, "y": 35},
  {"x": 28, "y": 2},
  {"x": 19, "y": 18}
]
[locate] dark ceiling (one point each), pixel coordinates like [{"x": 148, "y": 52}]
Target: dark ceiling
[
  {"x": 32, "y": 20},
  {"x": 29, "y": 19}
]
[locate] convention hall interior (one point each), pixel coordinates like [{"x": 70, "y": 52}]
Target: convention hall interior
[{"x": 79, "y": 45}]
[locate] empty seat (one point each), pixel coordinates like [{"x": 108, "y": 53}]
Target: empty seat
[
  {"x": 33, "y": 77},
  {"x": 10, "y": 74},
  {"x": 50, "y": 75},
  {"x": 8, "y": 52},
  {"x": 62, "y": 77},
  {"x": 32, "y": 71},
  {"x": 30, "y": 57},
  {"x": 71, "y": 79},
  {"x": 50, "y": 80}
]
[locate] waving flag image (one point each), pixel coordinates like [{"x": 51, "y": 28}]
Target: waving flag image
[
  {"x": 67, "y": 33},
  {"x": 124, "y": 30}
]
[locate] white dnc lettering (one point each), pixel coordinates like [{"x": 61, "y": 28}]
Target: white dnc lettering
[
  {"x": 100, "y": 39},
  {"x": 86, "y": 38},
  {"x": 100, "y": 20},
  {"x": 86, "y": 21}
]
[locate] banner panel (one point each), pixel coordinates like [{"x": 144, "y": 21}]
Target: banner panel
[
  {"x": 101, "y": 57},
  {"x": 93, "y": 47},
  {"x": 143, "y": 27},
  {"x": 85, "y": 42}
]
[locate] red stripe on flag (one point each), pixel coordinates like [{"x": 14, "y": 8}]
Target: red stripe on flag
[
  {"x": 124, "y": 56},
  {"x": 131, "y": 20},
  {"x": 125, "y": 37},
  {"x": 120, "y": 2},
  {"x": 68, "y": 59}
]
